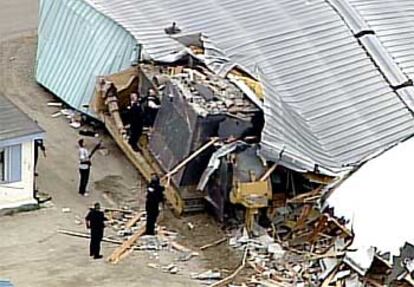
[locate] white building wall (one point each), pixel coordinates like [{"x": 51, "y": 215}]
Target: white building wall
[{"x": 20, "y": 193}]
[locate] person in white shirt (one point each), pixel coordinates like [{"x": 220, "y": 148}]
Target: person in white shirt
[{"x": 84, "y": 168}]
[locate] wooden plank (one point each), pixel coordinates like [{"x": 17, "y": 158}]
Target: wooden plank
[
  {"x": 234, "y": 274},
  {"x": 189, "y": 158},
  {"x": 217, "y": 242},
  {"x": 86, "y": 235},
  {"x": 134, "y": 220},
  {"x": 118, "y": 210},
  {"x": 266, "y": 175},
  {"x": 163, "y": 235},
  {"x": 314, "y": 194},
  {"x": 331, "y": 276},
  {"x": 115, "y": 257},
  {"x": 340, "y": 226}
]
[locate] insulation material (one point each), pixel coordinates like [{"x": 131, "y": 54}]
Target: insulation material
[{"x": 378, "y": 200}]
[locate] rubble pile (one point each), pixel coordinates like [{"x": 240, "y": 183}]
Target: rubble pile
[
  {"x": 307, "y": 247},
  {"x": 208, "y": 93}
]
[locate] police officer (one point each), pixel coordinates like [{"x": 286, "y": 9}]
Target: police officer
[
  {"x": 155, "y": 196},
  {"x": 95, "y": 221},
  {"x": 135, "y": 121},
  {"x": 38, "y": 144},
  {"x": 151, "y": 107}
]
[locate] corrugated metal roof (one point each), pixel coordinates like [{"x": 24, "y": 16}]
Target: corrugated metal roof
[
  {"x": 76, "y": 44},
  {"x": 14, "y": 123},
  {"x": 326, "y": 101},
  {"x": 393, "y": 23}
]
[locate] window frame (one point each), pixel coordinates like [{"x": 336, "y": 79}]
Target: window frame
[{"x": 12, "y": 156}]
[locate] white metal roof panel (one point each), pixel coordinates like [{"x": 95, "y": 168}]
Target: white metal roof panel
[
  {"x": 327, "y": 104},
  {"x": 393, "y": 23}
]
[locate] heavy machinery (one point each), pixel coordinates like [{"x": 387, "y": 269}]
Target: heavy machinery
[{"x": 253, "y": 196}]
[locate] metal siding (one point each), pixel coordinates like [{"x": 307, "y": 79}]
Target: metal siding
[
  {"x": 326, "y": 103},
  {"x": 77, "y": 44},
  {"x": 393, "y": 24}
]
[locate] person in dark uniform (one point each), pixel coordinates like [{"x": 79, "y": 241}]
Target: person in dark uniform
[
  {"x": 38, "y": 144},
  {"x": 95, "y": 221},
  {"x": 135, "y": 121},
  {"x": 155, "y": 196},
  {"x": 151, "y": 107}
]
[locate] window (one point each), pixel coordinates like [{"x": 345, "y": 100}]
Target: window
[
  {"x": 11, "y": 163},
  {"x": 2, "y": 165}
]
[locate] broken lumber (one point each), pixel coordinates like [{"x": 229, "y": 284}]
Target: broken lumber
[
  {"x": 54, "y": 104},
  {"x": 307, "y": 197},
  {"x": 116, "y": 255},
  {"x": 86, "y": 235},
  {"x": 266, "y": 175},
  {"x": 234, "y": 274},
  {"x": 340, "y": 226},
  {"x": 118, "y": 210},
  {"x": 189, "y": 158},
  {"x": 134, "y": 220},
  {"x": 163, "y": 235},
  {"x": 217, "y": 242}
]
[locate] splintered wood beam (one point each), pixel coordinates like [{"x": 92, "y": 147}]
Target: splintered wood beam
[
  {"x": 134, "y": 220},
  {"x": 234, "y": 274},
  {"x": 189, "y": 158},
  {"x": 86, "y": 235},
  {"x": 217, "y": 242},
  {"x": 266, "y": 175},
  {"x": 117, "y": 255},
  {"x": 164, "y": 235}
]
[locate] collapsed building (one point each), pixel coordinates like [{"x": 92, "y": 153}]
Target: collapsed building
[{"x": 260, "y": 101}]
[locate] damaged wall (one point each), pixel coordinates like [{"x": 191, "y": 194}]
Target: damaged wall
[{"x": 76, "y": 44}]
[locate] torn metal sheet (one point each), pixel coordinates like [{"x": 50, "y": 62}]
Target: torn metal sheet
[
  {"x": 214, "y": 162},
  {"x": 360, "y": 260}
]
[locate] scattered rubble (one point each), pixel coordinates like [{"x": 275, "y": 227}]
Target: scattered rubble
[
  {"x": 66, "y": 210},
  {"x": 207, "y": 275}
]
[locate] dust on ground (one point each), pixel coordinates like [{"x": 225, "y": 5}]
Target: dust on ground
[{"x": 33, "y": 254}]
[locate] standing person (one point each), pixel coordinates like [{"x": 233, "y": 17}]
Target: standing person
[
  {"x": 85, "y": 165},
  {"x": 38, "y": 144},
  {"x": 152, "y": 106},
  {"x": 95, "y": 221},
  {"x": 135, "y": 121},
  {"x": 155, "y": 196},
  {"x": 84, "y": 168}
]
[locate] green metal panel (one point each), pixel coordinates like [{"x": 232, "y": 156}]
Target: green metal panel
[{"x": 76, "y": 44}]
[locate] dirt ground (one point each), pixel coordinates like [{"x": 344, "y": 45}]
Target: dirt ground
[{"x": 32, "y": 253}]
